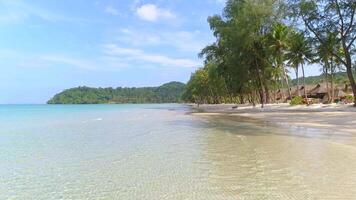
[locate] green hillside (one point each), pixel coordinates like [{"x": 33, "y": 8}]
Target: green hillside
[
  {"x": 339, "y": 78},
  {"x": 167, "y": 93}
]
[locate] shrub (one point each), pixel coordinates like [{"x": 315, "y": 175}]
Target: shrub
[
  {"x": 349, "y": 99},
  {"x": 298, "y": 100}
]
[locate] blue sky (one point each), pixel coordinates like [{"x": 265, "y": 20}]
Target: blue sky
[{"x": 47, "y": 46}]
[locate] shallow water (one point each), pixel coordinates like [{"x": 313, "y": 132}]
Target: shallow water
[{"x": 160, "y": 152}]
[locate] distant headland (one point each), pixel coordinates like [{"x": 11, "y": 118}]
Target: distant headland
[{"x": 167, "y": 93}]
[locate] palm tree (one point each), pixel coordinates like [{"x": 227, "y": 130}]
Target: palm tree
[
  {"x": 326, "y": 56},
  {"x": 296, "y": 70},
  {"x": 279, "y": 39},
  {"x": 298, "y": 53}
]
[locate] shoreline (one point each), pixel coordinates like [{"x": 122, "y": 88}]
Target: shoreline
[{"x": 332, "y": 117}]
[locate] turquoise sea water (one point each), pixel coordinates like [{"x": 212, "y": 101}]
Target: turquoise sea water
[{"x": 161, "y": 152}]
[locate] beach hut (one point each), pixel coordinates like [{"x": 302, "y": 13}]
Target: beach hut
[
  {"x": 301, "y": 90},
  {"x": 282, "y": 94},
  {"x": 294, "y": 91},
  {"x": 339, "y": 93},
  {"x": 322, "y": 92},
  {"x": 316, "y": 93}
]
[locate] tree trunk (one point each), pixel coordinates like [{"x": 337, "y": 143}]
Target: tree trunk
[
  {"x": 296, "y": 75},
  {"x": 261, "y": 93},
  {"x": 267, "y": 92},
  {"x": 268, "y": 96},
  {"x": 275, "y": 88},
  {"x": 281, "y": 90},
  {"x": 349, "y": 70},
  {"x": 305, "y": 89},
  {"x": 252, "y": 99},
  {"x": 332, "y": 83},
  {"x": 287, "y": 82},
  {"x": 274, "y": 94},
  {"x": 261, "y": 85},
  {"x": 326, "y": 80},
  {"x": 352, "y": 82}
]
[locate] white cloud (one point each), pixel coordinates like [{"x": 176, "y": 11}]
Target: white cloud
[
  {"x": 187, "y": 41},
  {"x": 18, "y": 10},
  {"x": 150, "y": 12},
  {"x": 114, "y": 58},
  {"x": 67, "y": 61},
  {"x": 8, "y": 54},
  {"x": 111, "y": 10},
  {"x": 54, "y": 60},
  {"x": 139, "y": 55},
  {"x": 100, "y": 63},
  {"x": 136, "y": 38}
]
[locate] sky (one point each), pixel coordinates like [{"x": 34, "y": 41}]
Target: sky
[{"x": 48, "y": 46}]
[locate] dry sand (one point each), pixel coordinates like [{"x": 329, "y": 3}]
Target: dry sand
[{"x": 333, "y": 117}]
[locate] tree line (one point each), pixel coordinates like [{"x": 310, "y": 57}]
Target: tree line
[
  {"x": 167, "y": 93},
  {"x": 259, "y": 42}
]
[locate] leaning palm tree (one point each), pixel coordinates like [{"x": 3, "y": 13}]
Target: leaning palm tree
[
  {"x": 299, "y": 52},
  {"x": 279, "y": 46}
]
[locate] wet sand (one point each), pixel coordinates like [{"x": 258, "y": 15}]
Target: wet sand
[
  {"x": 333, "y": 117},
  {"x": 306, "y": 152}
]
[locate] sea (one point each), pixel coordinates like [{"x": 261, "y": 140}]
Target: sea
[{"x": 163, "y": 151}]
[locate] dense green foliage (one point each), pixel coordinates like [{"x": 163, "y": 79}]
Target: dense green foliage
[
  {"x": 206, "y": 86},
  {"x": 350, "y": 99},
  {"x": 298, "y": 100},
  {"x": 259, "y": 41},
  {"x": 340, "y": 78},
  {"x": 330, "y": 24},
  {"x": 167, "y": 93}
]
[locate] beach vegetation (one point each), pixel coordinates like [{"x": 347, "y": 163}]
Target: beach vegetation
[
  {"x": 330, "y": 24},
  {"x": 350, "y": 99},
  {"x": 258, "y": 42},
  {"x": 206, "y": 85},
  {"x": 297, "y": 100}
]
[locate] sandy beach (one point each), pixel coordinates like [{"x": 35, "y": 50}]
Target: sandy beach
[{"x": 334, "y": 117}]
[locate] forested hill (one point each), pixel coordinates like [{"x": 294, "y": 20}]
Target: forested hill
[
  {"x": 339, "y": 78},
  {"x": 167, "y": 93}
]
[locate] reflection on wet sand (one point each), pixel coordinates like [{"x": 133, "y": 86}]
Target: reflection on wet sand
[{"x": 253, "y": 160}]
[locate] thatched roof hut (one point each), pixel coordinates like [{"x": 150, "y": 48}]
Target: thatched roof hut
[
  {"x": 301, "y": 90},
  {"x": 339, "y": 93},
  {"x": 281, "y": 93},
  {"x": 319, "y": 91}
]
